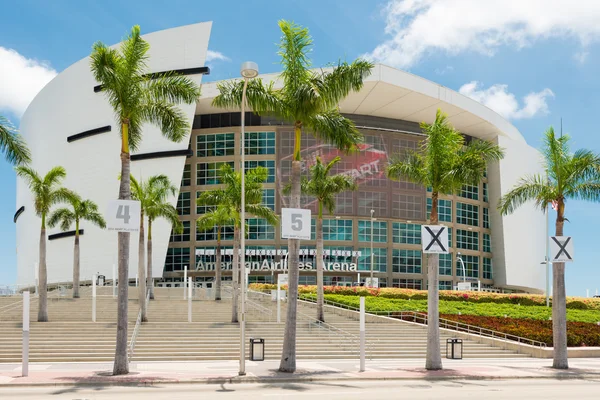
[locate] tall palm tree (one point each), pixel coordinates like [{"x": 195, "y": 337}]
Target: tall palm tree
[
  {"x": 308, "y": 99},
  {"x": 47, "y": 192},
  {"x": 324, "y": 188},
  {"x": 156, "y": 189},
  {"x": 80, "y": 210},
  {"x": 12, "y": 144},
  {"x": 568, "y": 175},
  {"x": 230, "y": 196},
  {"x": 137, "y": 98},
  {"x": 217, "y": 217},
  {"x": 445, "y": 163}
]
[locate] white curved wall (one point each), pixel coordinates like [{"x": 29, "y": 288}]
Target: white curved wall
[{"x": 67, "y": 106}]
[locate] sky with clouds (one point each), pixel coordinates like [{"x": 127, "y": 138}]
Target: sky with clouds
[{"x": 534, "y": 62}]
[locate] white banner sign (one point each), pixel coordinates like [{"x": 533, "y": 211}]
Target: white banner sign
[
  {"x": 434, "y": 239},
  {"x": 464, "y": 286},
  {"x": 123, "y": 216},
  {"x": 295, "y": 223},
  {"x": 561, "y": 248},
  {"x": 372, "y": 282},
  {"x": 283, "y": 279}
]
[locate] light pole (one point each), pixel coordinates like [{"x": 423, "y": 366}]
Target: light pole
[
  {"x": 462, "y": 265},
  {"x": 248, "y": 70},
  {"x": 548, "y": 263},
  {"x": 372, "y": 219}
]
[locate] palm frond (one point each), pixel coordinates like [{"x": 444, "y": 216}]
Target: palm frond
[
  {"x": 334, "y": 86},
  {"x": 12, "y": 144},
  {"x": 473, "y": 160},
  {"x": 173, "y": 88},
  {"x": 332, "y": 127},
  {"x": 262, "y": 99},
  {"x": 588, "y": 191},
  {"x": 54, "y": 176},
  {"x": 530, "y": 188},
  {"x": 410, "y": 167},
  {"x": 64, "y": 216},
  {"x": 134, "y": 49},
  {"x": 172, "y": 121},
  {"x": 293, "y": 49},
  {"x": 260, "y": 211}
]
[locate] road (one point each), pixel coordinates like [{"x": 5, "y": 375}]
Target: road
[{"x": 531, "y": 389}]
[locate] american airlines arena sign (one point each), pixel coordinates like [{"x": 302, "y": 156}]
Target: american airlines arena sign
[{"x": 269, "y": 264}]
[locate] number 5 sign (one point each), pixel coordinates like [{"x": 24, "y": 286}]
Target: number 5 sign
[
  {"x": 295, "y": 223},
  {"x": 123, "y": 216}
]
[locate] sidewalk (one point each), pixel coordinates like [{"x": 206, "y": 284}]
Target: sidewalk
[{"x": 151, "y": 373}]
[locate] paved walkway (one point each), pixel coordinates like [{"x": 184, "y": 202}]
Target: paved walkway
[{"x": 150, "y": 373}]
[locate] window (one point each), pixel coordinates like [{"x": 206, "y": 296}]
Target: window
[
  {"x": 445, "y": 264},
  {"x": 487, "y": 268},
  {"x": 337, "y": 229},
  {"x": 379, "y": 231},
  {"x": 407, "y": 206},
  {"x": 368, "y": 201},
  {"x": 449, "y": 237},
  {"x": 176, "y": 259},
  {"x": 268, "y": 198},
  {"x": 445, "y": 285},
  {"x": 471, "y": 266},
  {"x": 307, "y": 280},
  {"x": 486, "y": 218},
  {"x": 406, "y": 233},
  {"x": 467, "y": 214},
  {"x": 467, "y": 240},
  {"x": 260, "y": 229},
  {"x": 379, "y": 259},
  {"x": 408, "y": 283},
  {"x": 268, "y": 279},
  {"x": 215, "y": 145},
  {"x": 183, "y": 203},
  {"x": 338, "y": 258},
  {"x": 186, "y": 178},
  {"x": 269, "y": 164},
  {"x": 183, "y": 236},
  {"x": 344, "y": 203},
  {"x": 211, "y": 234},
  {"x": 202, "y": 209},
  {"x": 444, "y": 209},
  {"x": 487, "y": 243},
  {"x": 259, "y": 143},
  {"x": 485, "y": 192},
  {"x": 470, "y": 192},
  {"x": 208, "y": 173},
  {"x": 406, "y": 261}
]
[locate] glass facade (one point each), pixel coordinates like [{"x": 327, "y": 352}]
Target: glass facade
[
  {"x": 445, "y": 264},
  {"x": 471, "y": 266},
  {"x": 487, "y": 268},
  {"x": 444, "y": 209},
  {"x": 215, "y": 145},
  {"x": 259, "y": 143},
  {"x": 406, "y": 261},
  {"x": 379, "y": 259},
  {"x": 377, "y": 234},
  {"x": 183, "y": 236},
  {"x": 208, "y": 173},
  {"x": 183, "y": 203},
  {"x": 487, "y": 243},
  {"x": 186, "y": 178},
  {"x": 337, "y": 229},
  {"x": 468, "y": 240},
  {"x": 408, "y": 283},
  {"x": 406, "y": 233}
]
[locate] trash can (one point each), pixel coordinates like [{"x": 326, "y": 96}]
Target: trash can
[
  {"x": 257, "y": 349},
  {"x": 100, "y": 281},
  {"x": 454, "y": 349}
]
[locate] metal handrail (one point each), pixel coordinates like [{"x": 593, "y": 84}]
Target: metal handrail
[
  {"x": 136, "y": 329},
  {"x": 421, "y": 318}
]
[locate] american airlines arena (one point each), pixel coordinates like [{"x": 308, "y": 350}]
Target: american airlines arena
[{"x": 70, "y": 123}]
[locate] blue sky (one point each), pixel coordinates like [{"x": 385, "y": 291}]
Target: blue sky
[{"x": 534, "y": 63}]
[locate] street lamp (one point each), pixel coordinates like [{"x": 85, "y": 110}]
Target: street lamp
[
  {"x": 462, "y": 265},
  {"x": 248, "y": 70},
  {"x": 372, "y": 219},
  {"x": 548, "y": 263}
]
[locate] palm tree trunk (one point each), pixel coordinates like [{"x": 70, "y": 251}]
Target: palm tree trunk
[
  {"x": 288, "y": 353},
  {"x": 43, "y": 278},
  {"x": 142, "y": 270},
  {"x": 149, "y": 283},
  {"x": 434, "y": 358},
  {"x": 76, "y": 262},
  {"x": 235, "y": 275},
  {"x": 218, "y": 266},
  {"x": 320, "y": 300},
  {"x": 559, "y": 303},
  {"x": 121, "y": 365}
]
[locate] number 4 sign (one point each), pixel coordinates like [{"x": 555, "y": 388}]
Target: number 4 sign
[
  {"x": 123, "y": 216},
  {"x": 295, "y": 223}
]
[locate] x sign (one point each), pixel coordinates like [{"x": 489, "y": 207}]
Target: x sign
[
  {"x": 434, "y": 239},
  {"x": 561, "y": 248}
]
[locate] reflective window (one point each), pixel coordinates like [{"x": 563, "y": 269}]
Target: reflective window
[
  {"x": 268, "y": 164},
  {"x": 467, "y": 214},
  {"x": 445, "y": 285},
  {"x": 471, "y": 266},
  {"x": 470, "y": 192},
  {"x": 406, "y": 206},
  {"x": 368, "y": 201},
  {"x": 183, "y": 236},
  {"x": 183, "y": 203},
  {"x": 406, "y": 233},
  {"x": 486, "y": 218},
  {"x": 212, "y": 234},
  {"x": 406, "y": 261},
  {"x": 186, "y": 178},
  {"x": 379, "y": 259},
  {"x": 176, "y": 259},
  {"x": 260, "y": 229},
  {"x": 202, "y": 209},
  {"x": 445, "y": 264},
  {"x": 468, "y": 240},
  {"x": 268, "y": 198},
  {"x": 208, "y": 173},
  {"x": 487, "y": 243},
  {"x": 259, "y": 143},
  {"x": 444, "y": 209},
  {"x": 485, "y": 192},
  {"x": 215, "y": 145},
  {"x": 337, "y": 229},
  {"x": 487, "y": 268},
  {"x": 408, "y": 283},
  {"x": 378, "y": 234}
]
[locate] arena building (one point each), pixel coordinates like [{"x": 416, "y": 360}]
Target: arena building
[{"x": 70, "y": 124}]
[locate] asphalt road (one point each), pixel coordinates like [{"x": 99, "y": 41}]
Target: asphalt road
[{"x": 448, "y": 390}]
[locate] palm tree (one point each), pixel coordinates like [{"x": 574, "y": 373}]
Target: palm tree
[
  {"x": 80, "y": 210},
  {"x": 567, "y": 175},
  {"x": 230, "y": 197},
  {"x": 324, "y": 188},
  {"x": 46, "y": 192},
  {"x": 12, "y": 144},
  {"x": 445, "y": 163},
  {"x": 308, "y": 99},
  {"x": 218, "y": 217},
  {"x": 155, "y": 190},
  {"x": 137, "y": 98}
]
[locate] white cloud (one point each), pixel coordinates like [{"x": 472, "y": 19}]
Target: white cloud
[
  {"x": 498, "y": 98},
  {"x": 215, "y": 55},
  {"x": 420, "y": 27},
  {"x": 443, "y": 71},
  {"x": 21, "y": 79}
]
